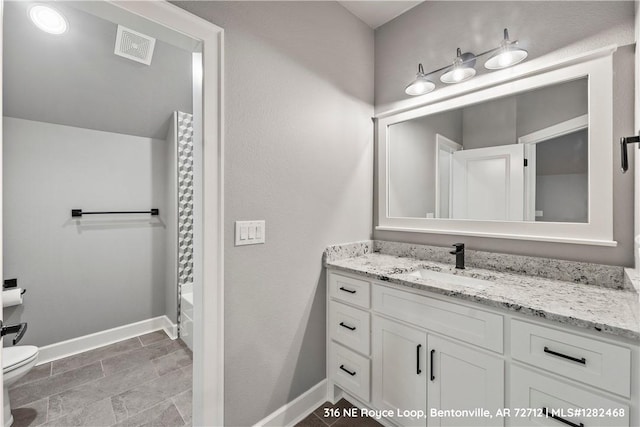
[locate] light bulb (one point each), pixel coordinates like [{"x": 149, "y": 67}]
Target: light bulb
[
  {"x": 508, "y": 54},
  {"x": 48, "y": 19},
  {"x": 505, "y": 59},
  {"x": 421, "y": 85},
  {"x": 459, "y": 73},
  {"x": 461, "y": 70}
]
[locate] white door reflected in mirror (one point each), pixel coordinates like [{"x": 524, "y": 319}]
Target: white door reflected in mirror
[{"x": 488, "y": 183}]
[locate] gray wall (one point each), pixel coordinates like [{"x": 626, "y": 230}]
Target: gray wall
[
  {"x": 503, "y": 121},
  {"x": 562, "y": 198},
  {"x": 298, "y": 154},
  {"x": 570, "y": 27},
  {"x": 562, "y": 180},
  {"x": 75, "y": 79},
  {"x": 412, "y": 158},
  {"x": 567, "y": 154},
  {"x": 81, "y": 276},
  {"x": 548, "y": 106},
  {"x": 430, "y": 32},
  {"x": 489, "y": 124}
]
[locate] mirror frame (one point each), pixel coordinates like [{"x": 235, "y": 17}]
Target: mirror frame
[{"x": 597, "y": 66}]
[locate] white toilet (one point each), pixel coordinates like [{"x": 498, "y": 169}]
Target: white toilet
[{"x": 17, "y": 361}]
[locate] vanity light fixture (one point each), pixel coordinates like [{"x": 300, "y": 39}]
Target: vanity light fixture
[
  {"x": 463, "y": 67},
  {"x": 421, "y": 84},
  {"x": 48, "y": 19},
  {"x": 506, "y": 55},
  {"x": 461, "y": 70}
]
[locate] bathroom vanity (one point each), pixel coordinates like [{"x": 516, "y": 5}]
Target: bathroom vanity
[
  {"x": 408, "y": 335},
  {"x": 510, "y": 340}
]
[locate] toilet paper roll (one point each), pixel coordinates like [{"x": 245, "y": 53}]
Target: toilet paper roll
[{"x": 12, "y": 297}]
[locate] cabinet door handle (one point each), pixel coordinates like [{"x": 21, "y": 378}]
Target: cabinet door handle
[
  {"x": 351, "y": 328},
  {"x": 342, "y": 288},
  {"x": 418, "y": 370},
  {"x": 347, "y": 371},
  {"x": 575, "y": 359},
  {"x": 546, "y": 412},
  {"x": 431, "y": 356},
  {"x": 433, "y": 352}
]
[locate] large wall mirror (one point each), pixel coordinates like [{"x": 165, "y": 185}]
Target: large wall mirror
[{"x": 528, "y": 159}]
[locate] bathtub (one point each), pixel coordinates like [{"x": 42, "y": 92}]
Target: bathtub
[{"x": 186, "y": 315}]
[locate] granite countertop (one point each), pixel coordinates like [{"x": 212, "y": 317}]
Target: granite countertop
[{"x": 599, "y": 308}]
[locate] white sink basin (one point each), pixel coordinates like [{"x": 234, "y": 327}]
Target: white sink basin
[{"x": 450, "y": 278}]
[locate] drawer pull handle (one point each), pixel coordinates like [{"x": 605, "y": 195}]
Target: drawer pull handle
[
  {"x": 575, "y": 359},
  {"x": 347, "y": 371},
  {"x": 546, "y": 412},
  {"x": 351, "y": 328},
  {"x": 433, "y": 352},
  {"x": 418, "y": 370},
  {"x": 342, "y": 288}
]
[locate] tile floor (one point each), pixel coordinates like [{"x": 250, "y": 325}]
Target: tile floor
[
  {"x": 140, "y": 381},
  {"x": 319, "y": 418}
]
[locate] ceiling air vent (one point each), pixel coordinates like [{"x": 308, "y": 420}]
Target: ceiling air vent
[{"x": 134, "y": 45}]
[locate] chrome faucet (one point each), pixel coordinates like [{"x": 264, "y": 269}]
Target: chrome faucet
[{"x": 459, "y": 253}]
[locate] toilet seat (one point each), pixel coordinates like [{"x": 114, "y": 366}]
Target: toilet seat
[{"x": 15, "y": 357}]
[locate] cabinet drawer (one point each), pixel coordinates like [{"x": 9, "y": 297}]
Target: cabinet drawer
[
  {"x": 350, "y": 371},
  {"x": 467, "y": 324},
  {"x": 353, "y": 291},
  {"x": 349, "y": 326},
  {"x": 587, "y": 360},
  {"x": 532, "y": 390}
]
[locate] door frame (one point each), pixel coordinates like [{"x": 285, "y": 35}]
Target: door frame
[
  {"x": 531, "y": 139},
  {"x": 448, "y": 144},
  {"x": 208, "y": 355},
  {"x": 636, "y": 245}
]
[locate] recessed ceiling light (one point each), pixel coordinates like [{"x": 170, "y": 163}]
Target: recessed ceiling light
[{"x": 48, "y": 19}]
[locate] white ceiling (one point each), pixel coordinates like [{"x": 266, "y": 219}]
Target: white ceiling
[
  {"x": 376, "y": 13},
  {"x": 75, "y": 79}
]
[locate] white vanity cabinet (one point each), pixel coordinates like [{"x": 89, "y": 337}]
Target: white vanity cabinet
[
  {"x": 349, "y": 330},
  {"x": 414, "y": 352},
  {"x": 400, "y": 370},
  {"x": 602, "y": 366},
  {"x": 404, "y": 351},
  {"x": 464, "y": 378},
  {"x": 416, "y": 368}
]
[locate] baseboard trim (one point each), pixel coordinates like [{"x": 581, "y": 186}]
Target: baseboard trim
[
  {"x": 296, "y": 410},
  {"x": 73, "y": 346},
  {"x": 170, "y": 328}
]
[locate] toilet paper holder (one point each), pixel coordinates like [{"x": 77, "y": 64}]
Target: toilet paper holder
[
  {"x": 20, "y": 329},
  {"x": 12, "y": 283}
]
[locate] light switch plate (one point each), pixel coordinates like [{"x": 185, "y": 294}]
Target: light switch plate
[{"x": 250, "y": 232}]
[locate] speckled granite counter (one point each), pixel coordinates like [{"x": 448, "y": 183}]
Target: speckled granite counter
[{"x": 599, "y": 308}]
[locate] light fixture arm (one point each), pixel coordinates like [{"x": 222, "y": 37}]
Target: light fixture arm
[
  {"x": 469, "y": 58},
  {"x": 464, "y": 61}
]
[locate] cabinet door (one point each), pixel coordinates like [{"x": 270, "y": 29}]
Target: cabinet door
[
  {"x": 399, "y": 371},
  {"x": 463, "y": 378}
]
